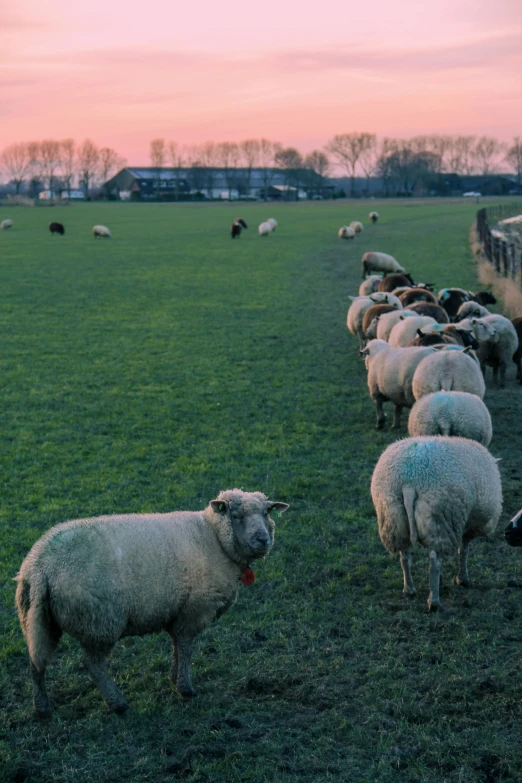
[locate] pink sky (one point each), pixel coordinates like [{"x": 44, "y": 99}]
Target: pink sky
[{"x": 123, "y": 73}]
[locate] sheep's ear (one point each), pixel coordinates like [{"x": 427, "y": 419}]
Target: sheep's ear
[
  {"x": 473, "y": 321},
  {"x": 277, "y": 506},
  {"x": 364, "y": 352},
  {"x": 219, "y": 506},
  {"x": 468, "y": 349}
]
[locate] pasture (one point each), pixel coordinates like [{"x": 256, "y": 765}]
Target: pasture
[{"x": 149, "y": 371}]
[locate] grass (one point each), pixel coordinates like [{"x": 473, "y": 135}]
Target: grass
[{"x": 149, "y": 372}]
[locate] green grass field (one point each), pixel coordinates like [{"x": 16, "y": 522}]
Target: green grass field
[{"x": 150, "y": 371}]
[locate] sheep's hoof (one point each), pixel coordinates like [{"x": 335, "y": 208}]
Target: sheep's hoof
[
  {"x": 395, "y": 426},
  {"x": 119, "y": 707},
  {"x": 463, "y": 581},
  {"x": 433, "y": 606},
  {"x": 380, "y": 425},
  {"x": 410, "y": 592},
  {"x": 187, "y": 693},
  {"x": 43, "y": 714}
]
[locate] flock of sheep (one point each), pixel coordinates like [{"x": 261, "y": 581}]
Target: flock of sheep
[
  {"x": 440, "y": 487},
  {"x": 59, "y": 228}
]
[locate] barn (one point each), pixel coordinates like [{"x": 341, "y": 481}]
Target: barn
[{"x": 148, "y": 184}]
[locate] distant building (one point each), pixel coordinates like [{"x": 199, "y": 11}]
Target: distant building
[{"x": 147, "y": 184}]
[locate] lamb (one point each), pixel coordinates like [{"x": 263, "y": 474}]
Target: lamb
[
  {"x": 448, "y": 370},
  {"x": 236, "y": 227},
  {"x": 272, "y": 222},
  {"x": 57, "y": 228},
  {"x": 379, "y": 262},
  {"x": 358, "y": 308},
  {"x": 390, "y": 374},
  {"x": 374, "y": 217},
  {"x": 386, "y": 322},
  {"x": 471, "y": 310},
  {"x": 128, "y": 575},
  {"x": 405, "y": 330},
  {"x": 517, "y": 356},
  {"x": 435, "y": 311},
  {"x": 370, "y": 285},
  {"x": 391, "y": 282},
  {"x": 451, "y": 413},
  {"x": 417, "y": 295},
  {"x": 346, "y": 232},
  {"x": 439, "y": 492},
  {"x": 5, "y": 224},
  {"x": 101, "y": 231},
  {"x": 357, "y": 226},
  {"x": 265, "y": 229},
  {"x": 501, "y": 349},
  {"x": 372, "y": 315}
]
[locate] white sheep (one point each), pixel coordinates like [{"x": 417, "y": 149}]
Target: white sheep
[
  {"x": 406, "y": 329},
  {"x": 439, "y": 492},
  {"x": 499, "y": 349},
  {"x": 449, "y": 369},
  {"x": 373, "y": 261},
  {"x": 272, "y": 222},
  {"x": 471, "y": 310},
  {"x": 357, "y": 226},
  {"x": 451, "y": 413},
  {"x": 360, "y": 304},
  {"x": 101, "y": 231},
  {"x": 346, "y": 232},
  {"x": 369, "y": 286},
  {"x": 390, "y": 374},
  {"x": 386, "y": 322},
  {"x": 128, "y": 575},
  {"x": 265, "y": 229},
  {"x": 374, "y": 217},
  {"x": 5, "y": 224}
]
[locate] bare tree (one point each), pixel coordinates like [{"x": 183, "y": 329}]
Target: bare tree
[
  {"x": 514, "y": 158},
  {"x": 486, "y": 150},
  {"x": 318, "y": 162},
  {"x": 291, "y": 161},
  {"x": 50, "y": 158},
  {"x": 368, "y": 158},
  {"x": 88, "y": 159},
  {"x": 110, "y": 162},
  {"x": 35, "y": 165},
  {"x": 267, "y": 152},
  {"x": 227, "y": 154},
  {"x": 68, "y": 156},
  {"x": 178, "y": 157},
  {"x": 440, "y": 145},
  {"x": 15, "y": 162},
  {"x": 249, "y": 152},
  {"x": 157, "y": 153},
  {"x": 347, "y": 149},
  {"x": 463, "y": 150}
]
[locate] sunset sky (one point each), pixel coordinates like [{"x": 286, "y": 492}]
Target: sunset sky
[{"x": 123, "y": 73}]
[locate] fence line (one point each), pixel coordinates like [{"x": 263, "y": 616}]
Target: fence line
[{"x": 505, "y": 256}]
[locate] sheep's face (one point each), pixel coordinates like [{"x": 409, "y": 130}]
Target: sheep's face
[
  {"x": 252, "y": 527},
  {"x": 484, "y": 332},
  {"x": 371, "y": 332}
]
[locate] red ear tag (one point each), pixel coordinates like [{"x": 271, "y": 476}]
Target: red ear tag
[{"x": 248, "y": 577}]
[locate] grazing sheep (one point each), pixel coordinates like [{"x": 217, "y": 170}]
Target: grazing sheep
[
  {"x": 272, "y": 222},
  {"x": 399, "y": 280},
  {"x": 5, "y": 224},
  {"x": 358, "y": 308},
  {"x": 517, "y": 356},
  {"x": 435, "y": 311},
  {"x": 346, "y": 232},
  {"x": 439, "y": 492},
  {"x": 357, "y": 226},
  {"x": 373, "y": 314},
  {"x": 104, "y": 578},
  {"x": 264, "y": 229},
  {"x": 390, "y": 374},
  {"x": 374, "y": 217},
  {"x": 448, "y": 370},
  {"x": 451, "y": 413},
  {"x": 414, "y": 295},
  {"x": 471, "y": 310},
  {"x": 513, "y": 532},
  {"x": 57, "y": 228},
  {"x": 370, "y": 285},
  {"x": 405, "y": 330},
  {"x": 101, "y": 231},
  {"x": 236, "y": 227},
  {"x": 386, "y": 322},
  {"x": 379, "y": 262}
]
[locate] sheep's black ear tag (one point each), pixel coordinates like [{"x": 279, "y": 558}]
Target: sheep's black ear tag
[{"x": 219, "y": 506}]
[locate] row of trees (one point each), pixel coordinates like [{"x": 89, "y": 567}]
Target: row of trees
[{"x": 55, "y": 164}]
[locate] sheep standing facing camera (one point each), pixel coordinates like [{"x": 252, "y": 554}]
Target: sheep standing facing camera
[
  {"x": 374, "y": 217},
  {"x": 128, "y": 575},
  {"x": 101, "y": 231}
]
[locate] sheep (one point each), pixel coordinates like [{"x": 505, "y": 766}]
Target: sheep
[
  {"x": 373, "y": 314},
  {"x": 272, "y": 222},
  {"x": 357, "y": 226},
  {"x": 452, "y": 298},
  {"x": 101, "y": 231},
  {"x": 501, "y": 349},
  {"x": 416, "y": 294},
  {"x": 390, "y": 373},
  {"x": 517, "y": 356},
  {"x": 439, "y": 492},
  {"x": 406, "y": 329},
  {"x": 370, "y": 285},
  {"x": 435, "y": 311},
  {"x": 57, "y": 228},
  {"x": 471, "y": 310},
  {"x": 373, "y": 261},
  {"x": 264, "y": 229},
  {"x": 358, "y": 308},
  {"x": 236, "y": 227},
  {"x": 346, "y": 232},
  {"x": 448, "y": 370},
  {"x": 103, "y": 578},
  {"x": 513, "y": 532},
  {"x": 374, "y": 217},
  {"x": 391, "y": 282},
  {"x": 451, "y": 413},
  {"x": 445, "y": 333},
  {"x": 5, "y": 224},
  {"x": 386, "y": 322}
]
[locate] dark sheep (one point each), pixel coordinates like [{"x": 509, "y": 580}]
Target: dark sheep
[
  {"x": 374, "y": 312},
  {"x": 417, "y": 295},
  {"x": 391, "y": 282},
  {"x": 517, "y": 356},
  {"x": 451, "y": 336},
  {"x": 57, "y": 228},
  {"x": 484, "y": 298},
  {"x": 428, "y": 308},
  {"x": 452, "y": 298},
  {"x": 236, "y": 227}
]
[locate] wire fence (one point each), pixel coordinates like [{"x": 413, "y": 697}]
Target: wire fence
[{"x": 502, "y": 246}]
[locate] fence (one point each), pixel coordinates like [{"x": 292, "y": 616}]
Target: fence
[{"x": 503, "y": 252}]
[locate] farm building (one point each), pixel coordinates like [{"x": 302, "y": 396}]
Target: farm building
[{"x": 147, "y": 184}]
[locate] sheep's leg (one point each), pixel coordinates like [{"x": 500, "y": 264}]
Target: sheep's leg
[
  {"x": 503, "y": 368},
  {"x": 48, "y": 638},
  {"x": 495, "y": 375},
  {"x": 462, "y": 577},
  {"x": 434, "y": 596},
  {"x": 381, "y": 418},
  {"x": 42, "y": 705},
  {"x": 397, "y": 417},
  {"x": 409, "y": 587},
  {"x": 184, "y": 647},
  {"x": 96, "y": 665},
  {"x": 519, "y": 370}
]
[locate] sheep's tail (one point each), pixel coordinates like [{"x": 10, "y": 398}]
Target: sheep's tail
[
  {"x": 446, "y": 382},
  {"x": 32, "y": 601},
  {"x": 408, "y": 497}
]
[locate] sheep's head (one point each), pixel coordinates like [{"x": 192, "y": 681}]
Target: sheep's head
[
  {"x": 484, "y": 332},
  {"x": 243, "y": 524},
  {"x": 371, "y": 331}
]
